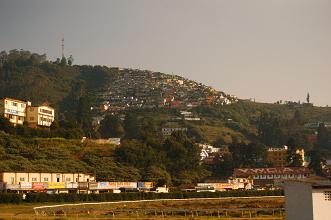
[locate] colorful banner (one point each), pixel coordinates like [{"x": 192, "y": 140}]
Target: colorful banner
[
  {"x": 26, "y": 185},
  {"x": 82, "y": 185},
  {"x": 13, "y": 186},
  {"x": 71, "y": 185},
  {"x": 38, "y": 186},
  {"x": 103, "y": 185},
  {"x": 93, "y": 185},
  {"x": 56, "y": 185}
]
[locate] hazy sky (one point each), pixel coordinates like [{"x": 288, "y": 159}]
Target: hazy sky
[{"x": 265, "y": 49}]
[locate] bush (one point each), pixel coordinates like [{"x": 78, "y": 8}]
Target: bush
[{"x": 10, "y": 198}]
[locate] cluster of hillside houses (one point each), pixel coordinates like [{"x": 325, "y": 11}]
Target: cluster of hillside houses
[
  {"x": 19, "y": 112},
  {"x": 145, "y": 89}
]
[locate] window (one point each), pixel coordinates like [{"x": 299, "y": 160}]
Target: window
[
  {"x": 327, "y": 195},
  {"x": 12, "y": 179},
  {"x": 22, "y": 105},
  {"x": 34, "y": 179},
  {"x": 45, "y": 179},
  {"x": 46, "y": 111},
  {"x": 14, "y": 104},
  {"x": 22, "y": 178},
  {"x": 68, "y": 179}
]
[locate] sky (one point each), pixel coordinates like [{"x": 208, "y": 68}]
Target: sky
[{"x": 264, "y": 49}]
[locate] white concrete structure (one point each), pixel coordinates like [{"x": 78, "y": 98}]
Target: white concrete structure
[
  {"x": 308, "y": 200},
  {"x": 40, "y": 116},
  {"x": 14, "y": 110}
]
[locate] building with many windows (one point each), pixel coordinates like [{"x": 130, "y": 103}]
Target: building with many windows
[
  {"x": 40, "y": 116},
  {"x": 18, "y": 112},
  {"x": 17, "y": 177},
  {"x": 271, "y": 175},
  {"x": 14, "y": 110}
]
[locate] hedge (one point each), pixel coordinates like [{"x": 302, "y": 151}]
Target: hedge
[{"x": 104, "y": 197}]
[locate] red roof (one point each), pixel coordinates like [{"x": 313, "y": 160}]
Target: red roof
[{"x": 245, "y": 172}]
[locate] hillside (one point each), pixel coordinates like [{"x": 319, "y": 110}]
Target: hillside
[{"x": 136, "y": 105}]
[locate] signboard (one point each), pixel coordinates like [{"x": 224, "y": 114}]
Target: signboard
[
  {"x": 26, "y": 185},
  {"x": 112, "y": 185},
  {"x": 13, "y": 186},
  {"x": 103, "y": 185},
  {"x": 145, "y": 185},
  {"x": 38, "y": 186},
  {"x": 55, "y": 185},
  {"x": 71, "y": 185},
  {"x": 93, "y": 185},
  {"x": 11, "y": 111},
  {"x": 82, "y": 185}
]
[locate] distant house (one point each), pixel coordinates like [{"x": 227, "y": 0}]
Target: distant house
[
  {"x": 40, "y": 115},
  {"x": 14, "y": 110},
  {"x": 265, "y": 176},
  {"x": 169, "y": 131}
]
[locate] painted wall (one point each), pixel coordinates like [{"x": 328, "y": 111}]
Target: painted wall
[{"x": 298, "y": 201}]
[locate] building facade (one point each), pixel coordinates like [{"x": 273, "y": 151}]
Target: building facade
[
  {"x": 17, "y": 177},
  {"x": 308, "y": 200},
  {"x": 40, "y": 116},
  {"x": 278, "y": 156},
  {"x": 18, "y": 112},
  {"x": 265, "y": 176},
  {"x": 14, "y": 110}
]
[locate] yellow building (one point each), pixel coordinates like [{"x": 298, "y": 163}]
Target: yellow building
[
  {"x": 14, "y": 110},
  {"x": 278, "y": 156},
  {"x": 40, "y": 116},
  {"x": 19, "y": 177}
]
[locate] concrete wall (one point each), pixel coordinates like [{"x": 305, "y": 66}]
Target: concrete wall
[
  {"x": 298, "y": 201},
  {"x": 321, "y": 206}
]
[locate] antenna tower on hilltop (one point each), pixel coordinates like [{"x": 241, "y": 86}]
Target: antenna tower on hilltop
[{"x": 62, "y": 47}]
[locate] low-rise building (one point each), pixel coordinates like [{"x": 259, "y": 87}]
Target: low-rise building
[
  {"x": 14, "y": 110},
  {"x": 17, "y": 177},
  {"x": 265, "y": 176},
  {"x": 40, "y": 116},
  {"x": 169, "y": 131},
  {"x": 278, "y": 156},
  {"x": 307, "y": 200}
]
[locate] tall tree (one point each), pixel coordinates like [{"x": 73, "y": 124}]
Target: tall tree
[
  {"x": 323, "y": 137},
  {"x": 111, "y": 126},
  {"x": 308, "y": 98}
]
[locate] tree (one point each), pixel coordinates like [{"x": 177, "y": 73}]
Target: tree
[
  {"x": 70, "y": 60},
  {"x": 131, "y": 126},
  {"x": 63, "y": 61},
  {"x": 308, "y": 98},
  {"x": 322, "y": 137},
  {"x": 111, "y": 126},
  {"x": 270, "y": 130},
  {"x": 317, "y": 161},
  {"x": 84, "y": 116},
  {"x": 6, "y": 126}
]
